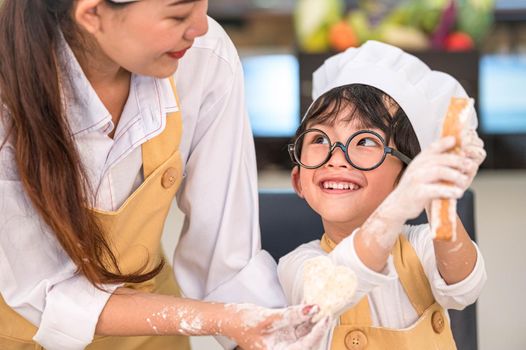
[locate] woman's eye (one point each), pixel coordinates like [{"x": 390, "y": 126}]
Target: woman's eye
[
  {"x": 179, "y": 19},
  {"x": 180, "y": 16}
]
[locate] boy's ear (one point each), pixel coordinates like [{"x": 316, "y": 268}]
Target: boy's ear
[
  {"x": 86, "y": 15},
  {"x": 295, "y": 179}
]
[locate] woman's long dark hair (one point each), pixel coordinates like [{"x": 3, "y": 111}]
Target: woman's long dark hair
[{"x": 47, "y": 160}]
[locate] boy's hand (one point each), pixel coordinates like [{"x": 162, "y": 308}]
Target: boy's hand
[
  {"x": 424, "y": 178},
  {"x": 433, "y": 174},
  {"x": 258, "y": 328}
]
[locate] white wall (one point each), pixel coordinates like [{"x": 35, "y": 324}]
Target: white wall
[{"x": 501, "y": 224}]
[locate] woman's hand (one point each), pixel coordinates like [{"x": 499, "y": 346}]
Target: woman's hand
[{"x": 257, "y": 328}]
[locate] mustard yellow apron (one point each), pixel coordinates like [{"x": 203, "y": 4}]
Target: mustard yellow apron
[
  {"x": 430, "y": 331},
  {"x": 134, "y": 232}
]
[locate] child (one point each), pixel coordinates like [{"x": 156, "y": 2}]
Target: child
[{"x": 359, "y": 166}]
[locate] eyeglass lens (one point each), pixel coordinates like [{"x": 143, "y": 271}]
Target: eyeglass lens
[{"x": 365, "y": 150}]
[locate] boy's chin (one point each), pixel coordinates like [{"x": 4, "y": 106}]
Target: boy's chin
[
  {"x": 354, "y": 214},
  {"x": 343, "y": 222}
]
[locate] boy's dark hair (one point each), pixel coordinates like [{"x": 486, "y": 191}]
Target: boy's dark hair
[{"x": 371, "y": 108}]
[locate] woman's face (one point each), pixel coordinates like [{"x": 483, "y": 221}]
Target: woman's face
[{"x": 146, "y": 37}]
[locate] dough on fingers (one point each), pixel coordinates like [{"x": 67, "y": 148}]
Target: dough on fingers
[{"x": 329, "y": 286}]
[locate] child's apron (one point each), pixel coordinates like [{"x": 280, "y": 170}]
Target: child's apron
[
  {"x": 430, "y": 331},
  {"x": 134, "y": 232}
]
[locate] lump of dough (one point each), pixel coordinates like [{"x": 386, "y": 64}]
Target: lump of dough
[{"x": 327, "y": 285}]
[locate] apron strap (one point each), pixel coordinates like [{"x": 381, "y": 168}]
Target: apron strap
[
  {"x": 156, "y": 150},
  {"x": 412, "y": 275},
  {"x": 359, "y": 314}
]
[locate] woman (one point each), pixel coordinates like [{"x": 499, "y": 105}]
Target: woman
[{"x": 94, "y": 146}]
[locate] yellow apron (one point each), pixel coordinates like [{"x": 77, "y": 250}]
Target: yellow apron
[
  {"x": 134, "y": 232},
  {"x": 430, "y": 331}
]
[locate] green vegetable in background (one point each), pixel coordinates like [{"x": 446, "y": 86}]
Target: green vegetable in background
[
  {"x": 313, "y": 19},
  {"x": 409, "y": 38},
  {"x": 410, "y": 24},
  {"x": 475, "y": 17},
  {"x": 423, "y": 15},
  {"x": 359, "y": 21}
]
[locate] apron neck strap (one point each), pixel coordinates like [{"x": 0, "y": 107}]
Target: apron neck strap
[
  {"x": 156, "y": 150},
  {"x": 412, "y": 275}
]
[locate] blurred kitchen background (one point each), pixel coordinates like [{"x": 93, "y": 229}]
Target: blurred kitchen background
[{"x": 480, "y": 42}]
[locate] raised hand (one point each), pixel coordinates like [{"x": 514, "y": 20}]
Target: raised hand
[{"x": 434, "y": 173}]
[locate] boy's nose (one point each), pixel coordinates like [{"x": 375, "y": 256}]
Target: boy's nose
[{"x": 337, "y": 159}]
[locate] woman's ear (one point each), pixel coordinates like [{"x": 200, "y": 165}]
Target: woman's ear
[
  {"x": 87, "y": 15},
  {"x": 296, "y": 182}
]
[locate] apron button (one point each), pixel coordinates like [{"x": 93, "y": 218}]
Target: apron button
[
  {"x": 355, "y": 340},
  {"x": 437, "y": 321},
  {"x": 169, "y": 178}
]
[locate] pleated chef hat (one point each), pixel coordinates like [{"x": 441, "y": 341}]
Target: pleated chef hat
[{"x": 422, "y": 93}]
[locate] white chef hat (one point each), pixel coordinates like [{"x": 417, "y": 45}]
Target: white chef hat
[{"x": 422, "y": 93}]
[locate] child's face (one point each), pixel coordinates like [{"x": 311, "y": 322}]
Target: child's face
[
  {"x": 343, "y": 210},
  {"x": 146, "y": 37}
]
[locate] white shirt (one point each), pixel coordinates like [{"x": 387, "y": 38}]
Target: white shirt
[
  {"x": 219, "y": 254},
  {"x": 389, "y": 304}
]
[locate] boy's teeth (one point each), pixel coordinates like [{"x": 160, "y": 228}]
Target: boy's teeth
[{"x": 339, "y": 185}]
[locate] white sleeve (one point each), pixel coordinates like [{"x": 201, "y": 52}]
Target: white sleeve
[
  {"x": 219, "y": 254},
  {"x": 455, "y": 296},
  {"x": 37, "y": 278},
  {"x": 290, "y": 269}
]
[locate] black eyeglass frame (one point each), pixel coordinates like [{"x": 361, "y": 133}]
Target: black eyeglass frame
[{"x": 387, "y": 150}]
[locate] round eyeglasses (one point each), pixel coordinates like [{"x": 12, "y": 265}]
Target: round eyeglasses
[{"x": 364, "y": 150}]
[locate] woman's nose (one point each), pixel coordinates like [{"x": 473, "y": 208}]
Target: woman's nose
[{"x": 199, "y": 26}]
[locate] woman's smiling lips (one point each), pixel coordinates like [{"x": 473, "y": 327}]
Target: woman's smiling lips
[{"x": 178, "y": 54}]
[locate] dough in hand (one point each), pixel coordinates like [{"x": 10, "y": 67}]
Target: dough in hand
[
  {"x": 327, "y": 285},
  {"x": 444, "y": 211}
]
